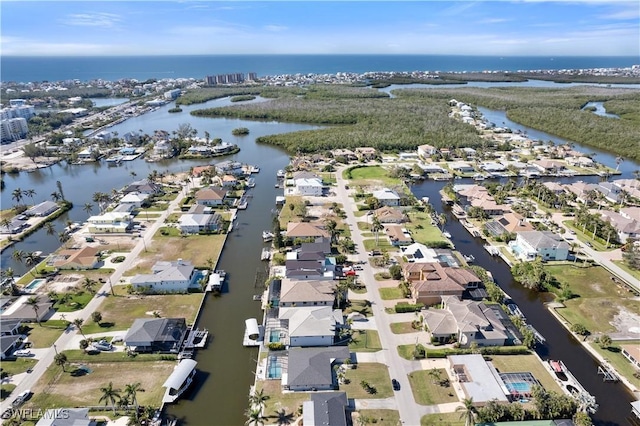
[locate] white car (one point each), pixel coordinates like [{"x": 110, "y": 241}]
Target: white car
[{"x": 23, "y": 352}]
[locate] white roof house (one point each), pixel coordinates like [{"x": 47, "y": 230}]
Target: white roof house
[
  {"x": 134, "y": 198},
  {"x": 387, "y": 197},
  {"x": 194, "y": 223},
  {"x": 110, "y": 222},
  {"x": 313, "y": 325},
  {"x": 530, "y": 244},
  {"x": 478, "y": 378},
  {"x": 167, "y": 277}
]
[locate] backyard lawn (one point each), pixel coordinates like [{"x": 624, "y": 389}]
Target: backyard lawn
[
  {"x": 17, "y": 366},
  {"x": 614, "y": 355},
  {"x": 289, "y": 401},
  {"x": 524, "y": 363},
  {"x": 42, "y": 336},
  {"x": 375, "y": 374},
  {"x": 422, "y": 230},
  {"x": 599, "y": 298},
  {"x": 426, "y": 392},
  {"x": 119, "y": 312}
]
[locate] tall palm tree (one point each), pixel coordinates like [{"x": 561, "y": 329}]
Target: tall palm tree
[
  {"x": 88, "y": 207},
  {"x": 30, "y": 193},
  {"x": 17, "y": 195},
  {"x": 50, "y": 228},
  {"x": 468, "y": 412},
  {"x": 33, "y": 302},
  {"x": 254, "y": 417},
  {"x": 61, "y": 360},
  {"x": 63, "y": 237},
  {"x": 31, "y": 259},
  {"x": 284, "y": 418},
  {"x": 59, "y": 186},
  {"x": 78, "y": 323},
  {"x": 55, "y": 196},
  {"x": 18, "y": 256},
  {"x": 131, "y": 390},
  {"x": 110, "y": 396},
  {"x": 88, "y": 285},
  {"x": 258, "y": 398},
  {"x": 376, "y": 227}
]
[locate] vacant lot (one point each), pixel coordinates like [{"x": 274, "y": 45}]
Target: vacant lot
[
  {"x": 422, "y": 230},
  {"x": 371, "y": 176},
  {"x": 442, "y": 419},
  {"x": 119, "y": 312},
  {"x": 80, "y": 384},
  {"x": 427, "y": 392},
  {"x": 599, "y": 302},
  {"x": 375, "y": 374},
  {"x": 289, "y": 402},
  {"x": 365, "y": 341},
  {"x": 378, "y": 417}
]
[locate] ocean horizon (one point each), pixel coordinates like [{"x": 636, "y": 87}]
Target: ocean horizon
[{"x": 85, "y": 68}]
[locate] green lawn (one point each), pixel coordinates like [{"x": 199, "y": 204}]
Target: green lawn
[
  {"x": 425, "y": 392},
  {"x": 362, "y": 175},
  {"x": 406, "y": 351},
  {"x": 442, "y": 419},
  {"x": 391, "y": 293},
  {"x": 75, "y": 302},
  {"x": 381, "y": 417},
  {"x": 43, "y": 336},
  {"x": 119, "y": 312},
  {"x": 365, "y": 341},
  {"x": 361, "y": 306},
  {"x": 618, "y": 361},
  {"x": 289, "y": 401},
  {"x": 623, "y": 265},
  {"x": 422, "y": 230},
  {"x": 402, "y": 327},
  {"x": 375, "y": 374},
  {"x": 5, "y": 390},
  {"x": 599, "y": 298},
  {"x": 383, "y": 244},
  {"x": 598, "y": 243},
  {"x": 17, "y": 366}
]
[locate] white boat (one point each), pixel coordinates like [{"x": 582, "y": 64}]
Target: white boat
[
  {"x": 113, "y": 160},
  {"x": 446, "y": 234},
  {"x": 280, "y": 173},
  {"x": 469, "y": 259},
  {"x": 179, "y": 381},
  {"x": 267, "y": 236},
  {"x": 251, "y": 182},
  {"x": 478, "y": 176}
]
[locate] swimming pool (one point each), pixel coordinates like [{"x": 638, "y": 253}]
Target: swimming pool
[
  {"x": 274, "y": 336},
  {"x": 33, "y": 285},
  {"x": 274, "y": 370}
]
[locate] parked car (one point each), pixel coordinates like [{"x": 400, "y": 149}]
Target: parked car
[
  {"x": 103, "y": 345},
  {"x": 589, "y": 244},
  {"x": 22, "y": 398},
  {"x": 350, "y": 273},
  {"x": 23, "y": 353},
  {"x": 395, "y": 384}
]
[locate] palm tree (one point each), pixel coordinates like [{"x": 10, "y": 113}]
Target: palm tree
[
  {"x": 442, "y": 220},
  {"x": 110, "y": 396},
  {"x": 283, "y": 417},
  {"x": 33, "y": 302},
  {"x": 254, "y": 417},
  {"x": 30, "y": 193},
  {"x": 49, "y": 228},
  {"x": 88, "y": 284},
  {"x": 468, "y": 412},
  {"x": 131, "y": 390},
  {"x": 59, "y": 186},
  {"x": 61, "y": 360},
  {"x": 258, "y": 398},
  {"x": 88, "y": 207},
  {"x": 55, "y": 196},
  {"x": 18, "y": 256},
  {"x": 78, "y": 323},
  {"x": 17, "y": 195},
  {"x": 31, "y": 259},
  {"x": 63, "y": 237},
  {"x": 376, "y": 227}
]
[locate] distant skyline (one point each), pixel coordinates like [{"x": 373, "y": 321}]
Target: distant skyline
[{"x": 498, "y": 28}]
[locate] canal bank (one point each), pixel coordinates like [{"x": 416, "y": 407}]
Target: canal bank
[{"x": 613, "y": 398}]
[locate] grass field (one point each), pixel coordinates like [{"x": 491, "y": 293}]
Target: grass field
[
  {"x": 77, "y": 388},
  {"x": 599, "y": 298},
  {"x": 375, "y": 374},
  {"x": 402, "y": 328},
  {"x": 119, "y": 312},
  {"x": 42, "y": 336},
  {"x": 422, "y": 230},
  {"x": 289, "y": 401},
  {"x": 17, "y": 366},
  {"x": 380, "y": 417},
  {"x": 614, "y": 355},
  {"x": 391, "y": 293},
  {"x": 383, "y": 244},
  {"x": 360, "y": 306},
  {"x": 521, "y": 363},
  {"x": 442, "y": 419},
  {"x": 371, "y": 175},
  {"x": 365, "y": 341},
  {"x": 425, "y": 392},
  {"x": 598, "y": 243}
]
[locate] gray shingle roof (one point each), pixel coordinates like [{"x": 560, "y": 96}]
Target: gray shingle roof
[
  {"x": 311, "y": 367},
  {"x": 329, "y": 408},
  {"x": 149, "y": 330}
]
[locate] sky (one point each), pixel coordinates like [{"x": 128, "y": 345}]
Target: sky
[{"x": 464, "y": 27}]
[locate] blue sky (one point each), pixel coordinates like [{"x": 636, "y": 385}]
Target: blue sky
[{"x": 503, "y": 28}]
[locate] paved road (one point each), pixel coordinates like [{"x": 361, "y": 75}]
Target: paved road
[
  {"x": 399, "y": 368},
  {"x": 47, "y": 356}
]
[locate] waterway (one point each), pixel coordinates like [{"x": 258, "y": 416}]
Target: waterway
[{"x": 226, "y": 367}]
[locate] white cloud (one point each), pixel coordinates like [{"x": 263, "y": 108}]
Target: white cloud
[
  {"x": 97, "y": 19},
  {"x": 275, "y": 28},
  {"x": 493, "y": 21}
]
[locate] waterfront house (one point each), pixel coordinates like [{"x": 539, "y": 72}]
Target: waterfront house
[
  {"x": 307, "y": 293},
  {"x": 306, "y": 231},
  {"x": 386, "y": 214},
  {"x": 202, "y": 150},
  {"x": 211, "y": 196},
  {"x": 110, "y": 222},
  {"x": 14, "y": 226},
  {"x": 387, "y": 197},
  {"x": 310, "y": 187},
  {"x": 508, "y": 223},
  {"x": 156, "y": 335},
  {"x": 163, "y": 149},
  {"x": 366, "y": 153},
  {"x": 426, "y": 151},
  {"x": 417, "y": 252},
  {"x": 87, "y": 153},
  {"x": 311, "y": 369},
  {"x": 549, "y": 166},
  {"x": 466, "y": 322},
  {"x": 311, "y": 325},
  {"x": 478, "y": 379},
  {"x": 626, "y": 227},
  {"x": 530, "y": 244},
  {"x": 83, "y": 258},
  {"x": 609, "y": 191},
  {"x": 144, "y": 186},
  {"x": 42, "y": 209},
  {"x": 133, "y": 200},
  {"x": 346, "y": 153},
  {"x": 222, "y": 148},
  {"x": 325, "y": 408},
  {"x": 228, "y": 181},
  {"x": 398, "y": 235},
  {"x": 198, "y": 171},
  {"x": 309, "y": 269},
  {"x": 632, "y": 354},
  {"x": 177, "y": 276},
  {"x": 461, "y": 167},
  {"x": 194, "y": 223},
  {"x": 582, "y": 190},
  {"x": 431, "y": 281},
  {"x": 228, "y": 166}
]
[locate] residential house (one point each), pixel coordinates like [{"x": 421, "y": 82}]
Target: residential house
[
  {"x": 14, "y": 226},
  {"x": 579, "y": 161},
  {"x": 325, "y": 408},
  {"x": 9, "y": 344},
  {"x": 417, "y": 252},
  {"x": 10, "y": 327},
  {"x": 398, "y": 235},
  {"x": 306, "y": 231},
  {"x": 346, "y": 153},
  {"x": 163, "y": 148},
  {"x": 388, "y": 214},
  {"x": 630, "y": 186},
  {"x": 229, "y": 167},
  {"x": 229, "y": 181},
  {"x": 387, "y": 197},
  {"x": 197, "y": 171},
  {"x": 308, "y": 269},
  {"x": 156, "y": 335},
  {"x": 133, "y": 200},
  {"x": 582, "y": 190},
  {"x": 431, "y": 281},
  {"x": 222, "y": 148},
  {"x": 211, "y": 196},
  {"x": 366, "y": 153},
  {"x": 509, "y": 223},
  {"x": 177, "y": 276},
  {"x": 549, "y": 166},
  {"x": 83, "y": 258},
  {"x": 144, "y": 186},
  {"x": 194, "y": 223},
  {"x": 307, "y": 293},
  {"x": 461, "y": 167},
  {"x": 609, "y": 191},
  {"x": 477, "y": 196},
  {"x": 202, "y": 150},
  {"x": 554, "y": 187},
  {"x": 467, "y": 322},
  {"x": 631, "y": 213},
  {"x": 26, "y": 313},
  {"x": 110, "y": 222},
  {"x": 311, "y": 369},
  {"x": 530, "y": 244},
  {"x": 627, "y": 228},
  {"x": 311, "y": 187},
  {"x": 426, "y": 151},
  {"x": 66, "y": 417},
  {"x": 311, "y": 325},
  {"x": 42, "y": 209},
  {"x": 632, "y": 354},
  {"x": 478, "y": 379}
]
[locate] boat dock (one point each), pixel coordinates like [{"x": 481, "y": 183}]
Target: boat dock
[
  {"x": 216, "y": 279},
  {"x": 608, "y": 374},
  {"x": 196, "y": 339},
  {"x": 493, "y": 250},
  {"x": 253, "y": 333},
  {"x": 536, "y": 334},
  {"x": 266, "y": 254},
  {"x": 571, "y": 386}
]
